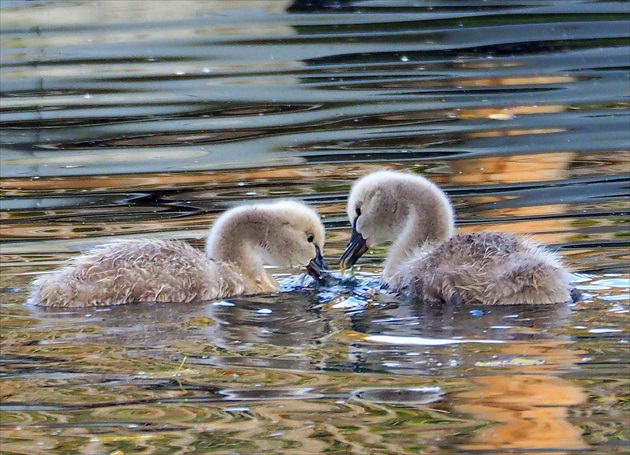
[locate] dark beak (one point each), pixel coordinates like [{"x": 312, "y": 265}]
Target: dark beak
[
  {"x": 357, "y": 246},
  {"x": 317, "y": 267}
]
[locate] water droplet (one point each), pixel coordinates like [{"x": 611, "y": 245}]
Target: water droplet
[
  {"x": 87, "y": 96},
  {"x": 206, "y": 70},
  {"x": 404, "y": 58},
  {"x": 264, "y": 311}
]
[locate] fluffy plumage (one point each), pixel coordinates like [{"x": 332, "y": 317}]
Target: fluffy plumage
[
  {"x": 427, "y": 262},
  {"x": 285, "y": 233}
]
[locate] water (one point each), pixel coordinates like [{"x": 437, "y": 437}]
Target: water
[{"x": 123, "y": 119}]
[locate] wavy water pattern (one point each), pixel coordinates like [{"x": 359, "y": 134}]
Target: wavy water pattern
[{"x": 124, "y": 119}]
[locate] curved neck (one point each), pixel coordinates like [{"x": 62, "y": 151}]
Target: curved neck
[
  {"x": 429, "y": 221},
  {"x": 232, "y": 242}
]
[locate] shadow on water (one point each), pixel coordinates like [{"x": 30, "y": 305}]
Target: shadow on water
[{"x": 125, "y": 119}]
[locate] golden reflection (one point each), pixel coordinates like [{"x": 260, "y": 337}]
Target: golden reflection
[
  {"x": 475, "y": 82},
  {"x": 531, "y": 413},
  {"x": 504, "y": 169},
  {"x": 518, "y": 169},
  {"x": 529, "y": 408},
  {"x": 511, "y": 169},
  {"x": 553, "y": 230},
  {"x": 504, "y": 133},
  {"x": 510, "y": 111},
  {"x": 194, "y": 180},
  {"x": 523, "y": 80},
  {"x": 97, "y": 229}
]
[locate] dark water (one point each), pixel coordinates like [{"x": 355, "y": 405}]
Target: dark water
[{"x": 132, "y": 118}]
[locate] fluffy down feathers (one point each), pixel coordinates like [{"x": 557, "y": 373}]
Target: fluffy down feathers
[
  {"x": 487, "y": 268},
  {"x": 142, "y": 270},
  {"x": 427, "y": 262},
  {"x": 286, "y": 233}
]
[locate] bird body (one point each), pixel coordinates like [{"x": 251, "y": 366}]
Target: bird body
[
  {"x": 285, "y": 233},
  {"x": 138, "y": 270},
  {"x": 486, "y": 267},
  {"x": 428, "y": 262}
]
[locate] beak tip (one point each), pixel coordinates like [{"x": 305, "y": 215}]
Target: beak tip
[
  {"x": 317, "y": 268},
  {"x": 357, "y": 246}
]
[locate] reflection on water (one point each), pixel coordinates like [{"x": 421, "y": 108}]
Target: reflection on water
[
  {"x": 152, "y": 118},
  {"x": 531, "y": 411}
]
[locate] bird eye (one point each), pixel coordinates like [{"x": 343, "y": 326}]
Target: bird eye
[
  {"x": 358, "y": 211},
  {"x": 310, "y": 238}
]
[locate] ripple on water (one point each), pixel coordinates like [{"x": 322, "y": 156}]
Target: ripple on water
[{"x": 125, "y": 119}]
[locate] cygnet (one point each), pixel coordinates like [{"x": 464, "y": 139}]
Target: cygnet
[
  {"x": 285, "y": 234},
  {"x": 428, "y": 262}
]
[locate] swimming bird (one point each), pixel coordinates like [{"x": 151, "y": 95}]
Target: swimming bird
[
  {"x": 428, "y": 262},
  {"x": 285, "y": 233}
]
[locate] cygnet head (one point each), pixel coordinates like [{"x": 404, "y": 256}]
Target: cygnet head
[
  {"x": 285, "y": 234},
  {"x": 389, "y": 206}
]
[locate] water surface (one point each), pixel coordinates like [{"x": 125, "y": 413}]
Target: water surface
[{"x": 123, "y": 119}]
